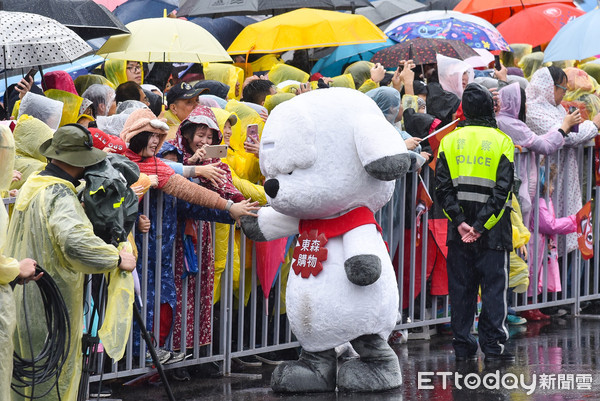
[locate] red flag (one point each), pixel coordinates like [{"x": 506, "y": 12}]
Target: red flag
[
  {"x": 584, "y": 231},
  {"x": 436, "y": 137}
]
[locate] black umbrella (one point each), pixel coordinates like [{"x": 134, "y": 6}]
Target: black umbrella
[
  {"x": 224, "y": 29},
  {"x": 88, "y": 19},
  {"x": 134, "y": 10},
  {"x": 211, "y": 8}
]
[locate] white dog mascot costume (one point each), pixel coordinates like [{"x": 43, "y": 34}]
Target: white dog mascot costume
[{"x": 330, "y": 159}]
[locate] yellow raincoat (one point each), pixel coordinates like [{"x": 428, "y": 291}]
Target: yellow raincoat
[
  {"x": 49, "y": 225},
  {"x": 530, "y": 63},
  {"x": 361, "y": 74},
  {"x": 518, "y": 277},
  {"x": 227, "y": 74},
  {"x": 29, "y": 134},
  {"x": 512, "y": 58},
  {"x": 249, "y": 190},
  {"x": 116, "y": 71},
  {"x": 9, "y": 270},
  {"x": 343, "y": 81},
  {"x": 593, "y": 70},
  {"x": 245, "y": 164},
  {"x": 274, "y": 100},
  {"x": 71, "y": 105},
  {"x": 173, "y": 123},
  {"x": 83, "y": 82},
  {"x": 283, "y": 72},
  {"x": 266, "y": 62}
]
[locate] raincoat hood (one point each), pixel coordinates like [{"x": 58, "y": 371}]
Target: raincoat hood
[
  {"x": 542, "y": 112},
  {"x": 388, "y": 100},
  {"x": 47, "y": 110},
  {"x": 227, "y": 74},
  {"x": 200, "y": 115},
  {"x": 100, "y": 94},
  {"x": 116, "y": 71},
  {"x": 7, "y": 155},
  {"x": 143, "y": 120},
  {"x": 478, "y": 106},
  {"x": 83, "y": 82},
  {"x": 223, "y": 116},
  {"x": 510, "y": 101},
  {"x": 37, "y": 183},
  {"x": 283, "y": 72},
  {"x": 271, "y": 101},
  {"x": 29, "y": 134},
  {"x": 531, "y": 63},
  {"x": 450, "y": 73},
  {"x": 541, "y": 88},
  {"x": 71, "y": 105},
  {"x": 59, "y": 80},
  {"x": 361, "y": 71}
]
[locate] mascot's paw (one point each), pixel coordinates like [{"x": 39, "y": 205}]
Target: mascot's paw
[
  {"x": 251, "y": 228},
  {"x": 377, "y": 369},
  {"x": 390, "y": 167},
  {"x": 313, "y": 372},
  {"x": 363, "y": 269}
]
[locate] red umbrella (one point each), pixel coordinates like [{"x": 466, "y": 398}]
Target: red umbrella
[
  {"x": 547, "y": 20},
  {"x": 497, "y": 11}
]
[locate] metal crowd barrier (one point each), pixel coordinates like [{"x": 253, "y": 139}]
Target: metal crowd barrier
[{"x": 261, "y": 327}]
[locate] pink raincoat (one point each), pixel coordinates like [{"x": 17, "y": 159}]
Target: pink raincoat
[
  {"x": 545, "y": 144},
  {"x": 549, "y": 228}
]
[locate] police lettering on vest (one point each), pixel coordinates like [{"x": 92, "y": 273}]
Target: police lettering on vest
[{"x": 469, "y": 159}]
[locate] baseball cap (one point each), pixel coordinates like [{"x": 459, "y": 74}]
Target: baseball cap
[{"x": 183, "y": 90}]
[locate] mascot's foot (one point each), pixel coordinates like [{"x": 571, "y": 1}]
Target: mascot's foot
[
  {"x": 377, "y": 369},
  {"x": 313, "y": 372}
]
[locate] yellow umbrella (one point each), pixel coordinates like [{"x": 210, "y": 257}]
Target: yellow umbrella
[
  {"x": 305, "y": 28},
  {"x": 164, "y": 39}
]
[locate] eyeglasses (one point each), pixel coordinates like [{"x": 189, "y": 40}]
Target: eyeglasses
[
  {"x": 561, "y": 87},
  {"x": 134, "y": 68}
]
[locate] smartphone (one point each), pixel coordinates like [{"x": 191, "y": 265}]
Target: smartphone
[
  {"x": 31, "y": 73},
  {"x": 216, "y": 151},
  {"x": 497, "y": 64},
  {"x": 574, "y": 128},
  {"x": 252, "y": 132}
]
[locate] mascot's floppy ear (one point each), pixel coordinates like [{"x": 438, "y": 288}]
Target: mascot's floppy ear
[{"x": 380, "y": 147}]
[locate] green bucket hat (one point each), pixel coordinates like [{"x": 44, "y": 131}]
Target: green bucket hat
[{"x": 72, "y": 144}]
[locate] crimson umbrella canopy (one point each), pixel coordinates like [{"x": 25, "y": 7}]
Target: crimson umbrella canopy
[
  {"x": 86, "y": 18},
  {"x": 422, "y": 51},
  {"x": 547, "y": 20},
  {"x": 497, "y": 11},
  {"x": 216, "y": 8}
]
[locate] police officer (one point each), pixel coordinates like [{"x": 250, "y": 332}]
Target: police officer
[{"x": 474, "y": 177}]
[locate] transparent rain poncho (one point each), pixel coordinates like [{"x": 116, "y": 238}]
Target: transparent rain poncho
[
  {"x": 43, "y": 108},
  {"x": 50, "y": 226},
  {"x": 100, "y": 95},
  {"x": 227, "y": 74},
  {"x": 9, "y": 269}
]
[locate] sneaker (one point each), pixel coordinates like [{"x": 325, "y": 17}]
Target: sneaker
[
  {"x": 534, "y": 315},
  {"x": 175, "y": 357},
  {"x": 515, "y": 320},
  {"x": 504, "y": 357},
  {"x": 163, "y": 356}
]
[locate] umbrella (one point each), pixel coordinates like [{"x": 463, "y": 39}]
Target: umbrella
[
  {"x": 432, "y": 15},
  {"x": 441, "y": 4},
  {"x": 212, "y": 8},
  {"x": 496, "y": 11},
  {"x": 483, "y": 59},
  {"x": 384, "y": 11},
  {"x": 547, "y": 20},
  {"x": 110, "y": 4},
  {"x": 88, "y": 19},
  {"x": 134, "y": 10},
  {"x": 576, "y": 40},
  {"x": 334, "y": 63},
  {"x": 224, "y": 29},
  {"x": 32, "y": 40},
  {"x": 165, "y": 40},
  {"x": 303, "y": 29},
  {"x": 422, "y": 51},
  {"x": 474, "y": 35}
]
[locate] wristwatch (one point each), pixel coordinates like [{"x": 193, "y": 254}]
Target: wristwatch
[{"x": 228, "y": 206}]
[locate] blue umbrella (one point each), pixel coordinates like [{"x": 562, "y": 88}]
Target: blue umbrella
[
  {"x": 575, "y": 40},
  {"x": 134, "y": 10},
  {"x": 333, "y": 64},
  {"x": 225, "y": 29}
]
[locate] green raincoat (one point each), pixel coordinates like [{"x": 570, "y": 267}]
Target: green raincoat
[
  {"x": 9, "y": 270},
  {"x": 49, "y": 225}
]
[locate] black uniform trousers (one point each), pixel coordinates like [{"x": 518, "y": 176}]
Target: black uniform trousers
[{"x": 470, "y": 266}]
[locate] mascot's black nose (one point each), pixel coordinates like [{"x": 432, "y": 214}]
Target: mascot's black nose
[{"x": 272, "y": 187}]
